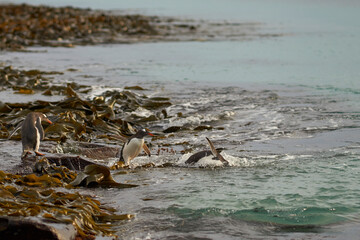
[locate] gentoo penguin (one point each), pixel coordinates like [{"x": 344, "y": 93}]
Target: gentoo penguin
[
  {"x": 133, "y": 146},
  {"x": 199, "y": 155},
  {"x": 32, "y": 132}
]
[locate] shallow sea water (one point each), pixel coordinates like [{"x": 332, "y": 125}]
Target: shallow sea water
[{"x": 285, "y": 110}]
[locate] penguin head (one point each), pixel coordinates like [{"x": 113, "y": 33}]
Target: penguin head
[
  {"x": 142, "y": 133},
  {"x": 43, "y": 117},
  {"x": 37, "y": 117}
]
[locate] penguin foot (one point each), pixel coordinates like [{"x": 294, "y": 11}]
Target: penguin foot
[
  {"x": 39, "y": 154},
  {"x": 25, "y": 154}
]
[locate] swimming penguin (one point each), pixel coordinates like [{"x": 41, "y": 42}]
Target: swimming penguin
[
  {"x": 133, "y": 146},
  {"x": 32, "y": 132},
  {"x": 199, "y": 155}
]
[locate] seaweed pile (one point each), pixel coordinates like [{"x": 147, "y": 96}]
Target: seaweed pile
[
  {"x": 25, "y": 25},
  {"x": 34, "y": 196},
  {"x": 74, "y": 117},
  {"x": 27, "y": 81},
  {"x": 86, "y": 122},
  {"x": 22, "y": 26}
]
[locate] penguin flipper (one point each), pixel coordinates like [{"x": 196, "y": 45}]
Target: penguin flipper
[
  {"x": 216, "y": 153},
  {"x": 213, "y": 149},
  {"x": 146, "y": 150},
  {"x": 120, "y": 154}
]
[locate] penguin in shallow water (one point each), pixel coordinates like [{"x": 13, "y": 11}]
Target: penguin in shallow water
[
  {"x": 32, "y": 132},
  {"x": 199, "y": 155},
  {"x": 133, "y": 146}
]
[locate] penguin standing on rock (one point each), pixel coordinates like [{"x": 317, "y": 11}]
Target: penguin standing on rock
[
  {"x": 32, "y": 132},
  {"x": 133, "y": 146}
]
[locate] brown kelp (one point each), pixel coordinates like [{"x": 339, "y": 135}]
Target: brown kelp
[
  {"x": 33, "y": 195},
  {"x": 44, "y": 188},
  {"x": 107, "y": 118},
  {"x": 97, "y": 175},
  {"x": 90, "y": 128},
  {"x": 25, "y": 25},
  {"x": 76, "y": 117}
]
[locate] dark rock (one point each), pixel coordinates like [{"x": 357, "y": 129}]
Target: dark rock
[
  {"x": 202, "y": 128},
  {"x": 15, "y": 228},
  {"x": 172, "y": 129}
]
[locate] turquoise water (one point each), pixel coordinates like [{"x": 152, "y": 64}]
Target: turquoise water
[{"x": 285, "y": 109}]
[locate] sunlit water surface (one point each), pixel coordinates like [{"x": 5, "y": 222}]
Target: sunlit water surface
[{"x": 285, "y": 110}]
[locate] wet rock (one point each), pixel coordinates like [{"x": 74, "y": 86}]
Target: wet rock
[
  {"x": 155, "y": 104},
  {"x": 134, "y": 88},
  {"x": 202, "y": 128},
  {"x": 14, "y": 228},
  {"x": 172, "y": 129}
]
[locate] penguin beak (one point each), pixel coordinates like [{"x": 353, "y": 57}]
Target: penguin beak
[
  {"x": 47, "y": 120},
  {"x": 148, "y": 132}
]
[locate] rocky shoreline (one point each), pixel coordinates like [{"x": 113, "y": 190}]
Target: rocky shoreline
[
  {"x": 22, "y": 26},
  {"x": 81, "y": 125}
]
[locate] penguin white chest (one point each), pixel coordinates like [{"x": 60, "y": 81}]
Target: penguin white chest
[
  {"x": 132, "y": 149},
  {"x": 37, "y": 145}
]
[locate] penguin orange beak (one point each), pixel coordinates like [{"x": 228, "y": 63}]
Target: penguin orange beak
[
  {"x": 48, "y": 121},
  {"x": 148, "y": 132}
]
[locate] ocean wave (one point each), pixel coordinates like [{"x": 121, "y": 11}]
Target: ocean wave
[{"x": 301, "y": 216}]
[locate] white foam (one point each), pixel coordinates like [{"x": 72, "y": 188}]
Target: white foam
[
  {"x": 99, "y": 90},
  {"x": 209, "y": 161},
  {"x": 142, "y": 112}
]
